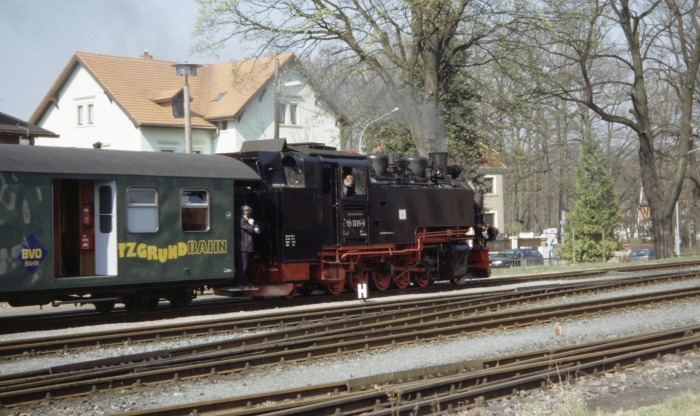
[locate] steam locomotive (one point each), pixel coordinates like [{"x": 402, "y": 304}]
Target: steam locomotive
[
  {"x": 107, "y": 226},
  {"x": 407, "y": 221}
]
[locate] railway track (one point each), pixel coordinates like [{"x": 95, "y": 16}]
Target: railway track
[
  {"x": 276, "y": 321},
  {"x": 428, "y": 391},
  {"x": 56, "y": 320},
  {"x": 326, "y": 338}
]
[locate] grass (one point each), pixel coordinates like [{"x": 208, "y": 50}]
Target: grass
[{"x": 571, "y": 402}]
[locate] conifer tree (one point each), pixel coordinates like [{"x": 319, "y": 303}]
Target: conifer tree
[{"x": 590, "y": 228}]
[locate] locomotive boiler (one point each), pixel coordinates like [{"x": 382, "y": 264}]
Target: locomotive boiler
[{"x": 409, "y": 220}]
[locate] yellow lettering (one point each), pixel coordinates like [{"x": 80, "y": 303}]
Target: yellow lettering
[
  {"x": 141, "y": 251},
  {"x": 152, "y": 253},
  {"x": 132, "y": 250},
  {"x": 172, "y": 252},
  {"x": 33, "y": 253},
  {"x": 221, "y": 247},
  {"x": 162, "y": 255}
]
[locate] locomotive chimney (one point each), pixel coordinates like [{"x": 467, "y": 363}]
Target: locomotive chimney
[
  {"x": 438, "y": 164},
  {"x": 379, "y": 163},
  {"x": 416, "y": 165}
]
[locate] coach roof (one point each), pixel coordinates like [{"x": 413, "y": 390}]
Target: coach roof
[{"x": 68, "y": 160}]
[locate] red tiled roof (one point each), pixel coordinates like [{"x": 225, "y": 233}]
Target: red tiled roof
[{"x": 144, "y": 88}]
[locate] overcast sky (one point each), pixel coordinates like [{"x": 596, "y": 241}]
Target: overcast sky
[{"x": 40, "y": 36}]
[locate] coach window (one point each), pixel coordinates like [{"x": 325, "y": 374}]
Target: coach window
[
  {"x": 106, "y": 207},
  {"x": 194, "y": 209},
  {"x": 142, "y": 210}
]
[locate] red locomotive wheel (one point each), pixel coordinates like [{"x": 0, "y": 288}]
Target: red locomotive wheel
[
  {"x": 422, "y": 279},
  {"x": 380, "y": 280},
  {"x": 402, "y": 277},
  {"x": 335, "y": 288},
  {"x": 360, "y": 275},
  {"x": 292, "y": 293}
]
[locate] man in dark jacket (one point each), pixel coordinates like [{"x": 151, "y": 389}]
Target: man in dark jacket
[{"x": 245, "y": 249}]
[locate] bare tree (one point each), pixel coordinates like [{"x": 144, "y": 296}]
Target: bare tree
[
  {"x": 405, "y": 43},
  {"x": 654, "y": 47}
]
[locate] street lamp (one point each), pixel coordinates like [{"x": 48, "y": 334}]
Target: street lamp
[
  {"x": 187, "y": 70},
  {"x": 359, "y": 145}
]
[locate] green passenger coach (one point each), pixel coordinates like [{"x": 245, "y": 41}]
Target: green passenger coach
[{"x": 108, "y": 226}]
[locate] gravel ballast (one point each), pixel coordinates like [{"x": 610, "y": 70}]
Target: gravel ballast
[{"x": 630, "y": 322}]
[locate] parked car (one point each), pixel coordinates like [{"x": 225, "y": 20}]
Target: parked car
[
  {"x": 517, "y": 257},
  {"x": 642, "y": 254}
]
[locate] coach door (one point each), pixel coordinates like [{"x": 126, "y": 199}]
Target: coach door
[
  {"x": 329, "y": 201},
  {"x": 84, "y": 235},
  {"x": 105, "y": 229}
]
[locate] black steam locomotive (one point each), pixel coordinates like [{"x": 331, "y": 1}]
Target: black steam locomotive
[{"x": 405, "y": 221}]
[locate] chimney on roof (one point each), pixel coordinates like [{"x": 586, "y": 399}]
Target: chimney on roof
[{"x": 147, "y": 56}]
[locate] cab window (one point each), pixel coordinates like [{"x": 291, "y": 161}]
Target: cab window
[{"x": 357, "y": 177}]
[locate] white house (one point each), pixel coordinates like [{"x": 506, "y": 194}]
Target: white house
[
  {"x": 494, "y": 171},
  {"x": 136, "y": 104}
]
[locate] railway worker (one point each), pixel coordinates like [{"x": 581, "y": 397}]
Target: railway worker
[
  {"x": 349, "y": 186},
  {"x": 244, "y": 228}
]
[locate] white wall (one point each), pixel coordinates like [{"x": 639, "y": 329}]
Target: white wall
[
  {"x": 110, "y": 125},
  {"x": 159, "y": 139},
  {"x": 315, "y": 121}
]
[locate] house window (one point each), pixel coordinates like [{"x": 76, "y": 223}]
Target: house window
[
  {"x": 85, "y": 114},
  {"x": 81, "y": 115},
  {"x": 142, "y": 210},
  {"x": 194, "y": 210},
  {"x": 292, "y": 114},
  {"x": 90, "y": 114},
  {"x": 178, "y": 104},
  {"x": 490, "y": 185},
  {"x": 282, "y": 110},
  {"x": 490, "y": 218}
]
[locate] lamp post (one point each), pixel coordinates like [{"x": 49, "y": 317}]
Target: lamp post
[
  {"x": 187, "y": 70},
  {"x": 359, "y": 145},
  {"x": 276, "y": 131}
]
